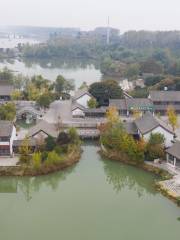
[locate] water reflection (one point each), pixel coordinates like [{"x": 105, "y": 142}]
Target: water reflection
[
  {"x": 30, "y": 185},
  {"x": 66, "y": 63},
  {"x": 122, "y": 176}
]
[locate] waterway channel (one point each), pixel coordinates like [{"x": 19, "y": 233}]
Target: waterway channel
[{"x": 93, "y": 200}]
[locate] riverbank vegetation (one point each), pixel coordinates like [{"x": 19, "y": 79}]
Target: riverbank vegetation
[
  {"x": 48, "y": 156},
  {"x": 120, "y": 145}
]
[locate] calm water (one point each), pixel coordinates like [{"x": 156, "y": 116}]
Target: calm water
[
  {"x": 96, "y": 199},
  {"x": 12, "y": 43},
  {"x": 77, "y": 70}
]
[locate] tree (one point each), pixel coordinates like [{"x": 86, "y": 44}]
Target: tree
[
  {"x": 172, "y": 117},
  {"x": 16, "y": 95},
  {"x": 103, "y": 91},
  {"x": 92, "y": 103},
  {"x": 8, "y": 111},
  {"x": 73, "y": 135},
  {"x": 83, "y": 86},
  {"x": 50, "y": 143},
  {"x": 112, "y": 115},
  {"x": 25, "y": 151},
  {"x": 45, "y": 100},
  {"x": 155, "y": 146},
  {"x": 36, "y": 160},
  {"x": 132, "y": 71},
  {"x": 62, "y": 85}
]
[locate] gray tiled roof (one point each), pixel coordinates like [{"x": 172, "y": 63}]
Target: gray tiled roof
[
  {"x": 165, "y": 96},
  {"x": 120, "y": 104},
  {"x": 6, "y": 128},
  {"x": 128, "y": 104},
  {"x": 81, "y": 92},
  {"x": 6, "y": 89},
  {"x": 174, "y": 150},
  {"x": 76, "y": 105},
  {"x": 148, "y": 122},
  {"x": 130, "y": 128},
  {"x": 48, "y": 128},
  {"x": 96, "y": 110}
]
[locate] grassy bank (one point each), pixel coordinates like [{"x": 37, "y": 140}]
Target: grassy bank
[{"x": 28, "y": 170}]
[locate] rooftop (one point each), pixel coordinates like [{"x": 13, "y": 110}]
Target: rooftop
[
  {"x": 6, "y": 89},
  {"x": 174, "y": 150},
  {"x": 165, "y": 96},
  {"x": 148, "y": 122},
  {"x": 6, "y": 128}
]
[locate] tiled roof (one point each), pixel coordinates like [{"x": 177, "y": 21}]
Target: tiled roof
[
  {"x": 5, "y": 89},
  {"x": 81, "y": 92},
  {"x": 165, "y": 96},
  {"x": 6, "y": 128},
  {"x": 174, "y": 150},
  {"x": 48, "y": 128},
  {"x": 148, "y": 122}
]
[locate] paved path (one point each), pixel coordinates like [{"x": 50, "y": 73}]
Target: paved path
[
  {"x": 58, "y": 109},
  {"x": 8, "y": 161}
]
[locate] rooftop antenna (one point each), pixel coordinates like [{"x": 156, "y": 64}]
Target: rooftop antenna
[{"x": 108, "y": 33}]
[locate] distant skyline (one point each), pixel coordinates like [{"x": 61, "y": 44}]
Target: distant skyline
[{"x": 88, "y": 14}]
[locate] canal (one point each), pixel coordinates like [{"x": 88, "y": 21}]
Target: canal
[{"x": 95, "y": 199}]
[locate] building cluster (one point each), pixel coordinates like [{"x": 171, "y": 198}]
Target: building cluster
[{"x": 142, "y": 127}]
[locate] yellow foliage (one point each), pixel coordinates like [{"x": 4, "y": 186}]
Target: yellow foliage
[
  {"x": 112, "y": 115},
  {"x": 172, "y": 117}
]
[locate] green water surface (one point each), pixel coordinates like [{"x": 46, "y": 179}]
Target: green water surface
[{"x": 94, "y": 200}]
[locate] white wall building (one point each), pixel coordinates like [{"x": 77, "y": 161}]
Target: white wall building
[
  {"x": 7, "y": 136},
  {"x": 149, "y": 124},
  {"x": 82, "y": 97}
]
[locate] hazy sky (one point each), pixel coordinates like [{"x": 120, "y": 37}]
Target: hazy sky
[{"x": 87, "y": 14}]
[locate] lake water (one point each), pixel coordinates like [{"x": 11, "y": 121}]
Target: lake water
[
  {"x": 78, "y": 70},
  {"x": 94, "y": 200}
]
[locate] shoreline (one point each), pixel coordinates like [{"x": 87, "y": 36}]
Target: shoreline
[
  {"x": 165, "y": 175},
  {"x": 25, "y": 171}
]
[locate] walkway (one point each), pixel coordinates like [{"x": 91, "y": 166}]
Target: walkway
[
  {"x": 8, "y": 161},
  {"x": 172, "y": 185}
]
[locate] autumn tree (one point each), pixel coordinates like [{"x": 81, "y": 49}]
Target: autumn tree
[
  {"x": 172, "y": 117},
  {"x": 112, "y": 115},
  {"x": 25, "y": 151}
]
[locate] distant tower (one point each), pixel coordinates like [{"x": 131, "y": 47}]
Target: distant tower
[{"x": 108, "y": 33}]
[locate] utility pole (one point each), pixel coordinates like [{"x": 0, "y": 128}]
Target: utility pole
[{"x": 108, "y": 33}]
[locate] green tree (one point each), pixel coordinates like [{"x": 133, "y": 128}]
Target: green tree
[
  {"x": 45, "y": 100},
  {"x": 50, "y": 143},
  {"x": 103, "y": 91},
  {"x": 155, "y": 146},
  {"x": 8, "y": 111},
  {"x": 36, "y": 160},
  {"x": 92, "y": 103}
]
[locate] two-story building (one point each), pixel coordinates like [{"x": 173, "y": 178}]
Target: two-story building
[{"x": 7, "y": 136}]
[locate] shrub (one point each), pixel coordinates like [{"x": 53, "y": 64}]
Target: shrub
[
  {"x": 49, "y": 143},
  {"x": 53, "y": 158},
  {"x": 63, "y": 138},
  {"x": 73, "y": 135},
  {"x": 36, "y": 159}
]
